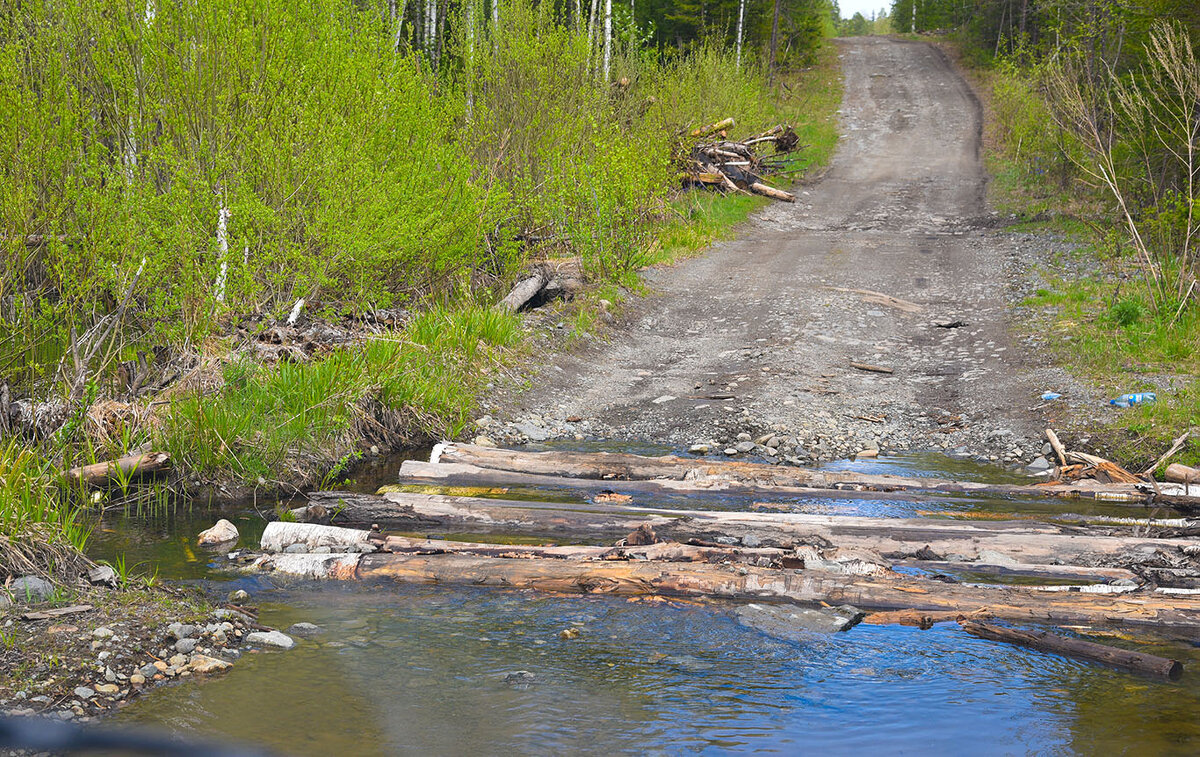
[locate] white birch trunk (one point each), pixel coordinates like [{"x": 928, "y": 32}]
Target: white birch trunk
[
  {"x": 496, "y": 26},
  {"x": 593, "y": 14},
  {"x": 741, "y": 19},
  {"x": 129, "y": 155},
  {"x": 578, "y": 19},
  {"x": 151, "y": 11},
  {"x": 222, "y": 251},
  {"x": 397, "y": 36},
  {"x": 607, "y": 37}
]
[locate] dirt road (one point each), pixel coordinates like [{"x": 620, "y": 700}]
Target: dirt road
[{"x": 766, "y": 320}]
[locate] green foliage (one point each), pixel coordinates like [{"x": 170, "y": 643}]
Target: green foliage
[
  {"x": 32, "y": 503},
  {"x": 265, "y": 419}
]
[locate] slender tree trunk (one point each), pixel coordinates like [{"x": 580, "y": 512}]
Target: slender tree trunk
[
  {"x": 222, "y": 250},
  {"x": 496, "y": 27},
  {"x": 741, "y": 20},
  {"x": 607, "y": 37},
  {"x": 593, "y": 13}
]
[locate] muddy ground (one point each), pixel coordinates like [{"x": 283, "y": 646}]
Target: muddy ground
[{"x": 757, "y": 336}]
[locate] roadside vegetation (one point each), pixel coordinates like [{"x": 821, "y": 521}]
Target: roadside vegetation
[
  {"x": 1095, "y": 135},
  {"x": 178, "y": 182}
]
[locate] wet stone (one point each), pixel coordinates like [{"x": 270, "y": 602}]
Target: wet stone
[
  {"x": 271, "y": 639},
  {"x": 304, "y": 630}
]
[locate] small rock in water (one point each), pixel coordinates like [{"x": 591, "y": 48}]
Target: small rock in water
[
  {"x": 237, "y": 595},
  {"x": 271, "y": 639},
  {"x": 569, "y": 633},
  {"x": 222, "y": 532},
  {"x": 305, "y": 630},
  {"x": 699, "y": 449},
  {"x": 798, "y": 623},
  {"x": 520, "y": 679},
  {"x": 205, "y": 665},
  {"x": 1039, "y": 465}
]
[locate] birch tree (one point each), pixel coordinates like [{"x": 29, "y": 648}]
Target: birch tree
[
  {"x": 741, "y": 20},
  {"x": 607, "y": 37}
]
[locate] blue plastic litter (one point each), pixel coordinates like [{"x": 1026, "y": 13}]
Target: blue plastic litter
[
  {"x": 1051, "y": 396},
  {"x": 1136, "y": 398}
]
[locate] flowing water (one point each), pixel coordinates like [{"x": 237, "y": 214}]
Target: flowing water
[{"x": 422, "y": 669}]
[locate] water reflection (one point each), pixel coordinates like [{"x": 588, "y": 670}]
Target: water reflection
[{"x": 420, "y": 669}]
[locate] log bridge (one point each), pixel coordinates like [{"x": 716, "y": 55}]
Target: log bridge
[{"x": 609, "y": 539}]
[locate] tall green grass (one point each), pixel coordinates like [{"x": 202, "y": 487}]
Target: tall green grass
[
  {"x": 32, "y": 504},
  {"x": 292, "y": 423}
]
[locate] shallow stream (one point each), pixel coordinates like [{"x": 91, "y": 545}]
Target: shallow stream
[{"x": 423, "y": 669}]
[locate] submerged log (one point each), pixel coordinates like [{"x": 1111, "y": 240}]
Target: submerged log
[
  {"x": 1043, "y": 641},
  {"x": 1031, "y": 542},
  {"x": 121, "y": 469},
  {"x": 746, "y": 582},
  {"x": 483, "y": 465}
]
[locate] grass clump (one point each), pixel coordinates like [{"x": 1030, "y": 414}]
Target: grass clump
[
  {"x": 295, "y": 422},
  {"x": 41, "y": 533}
]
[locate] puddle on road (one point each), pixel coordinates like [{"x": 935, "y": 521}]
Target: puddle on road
[{"x": 407, "y": 669}]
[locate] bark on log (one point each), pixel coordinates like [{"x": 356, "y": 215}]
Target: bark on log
[
  {"x": 124, "y": 468},
  {"x": 1043, "y": 641},
  {"x": 1182, "y": 474},
  {"x": 782, "y": 482},
  {"x": 768, "y": 191},
  {"x": 524, "y": 291},
  {"x": 279, "y": 536},
  {"x": 742, "y": 582},
  {"x": 1027, "y": 542},
  {"x": 722, "y": 125}
]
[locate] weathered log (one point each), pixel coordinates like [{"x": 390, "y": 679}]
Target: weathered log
[
  {"x": 1056, "y": 445},
  {"x": 745, "y": 582},
  {"x": 279, "y": 536},
  {"x": 923, "y": 620},
  {"x": 524, "y": 291},
  {"x": 788, "y": 483},
  {"x": 1044, "y": 641},
  {"x": 1182, "y": 474},
  {"x": 121, "y": 469},
  {"x": 879, "y": 298},
  {"x": 1028, "y": 542},
  {"x": 765, "y": 190}
]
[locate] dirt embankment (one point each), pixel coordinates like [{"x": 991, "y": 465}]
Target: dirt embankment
[{"x": 891, "y": 260}]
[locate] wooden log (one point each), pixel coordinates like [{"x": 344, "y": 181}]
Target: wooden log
[
  {"x": 121, "y": 469},
  {"x": 757, "y": 187},
  {"x": 1056, "y": 445},
  {"x": 747, "y": 582},
  {"x": 1182, "y": 474},
  {"x": 1044, "y": 641},
  {"x": 789, "y": 482},
  {"x": 279, "y": 536},
  {"x": 922, "y": 620},
  {"x": 524, "y": 291},
  {"x": 1028, "y": 542},
  {"x": 722, "y": 125}
]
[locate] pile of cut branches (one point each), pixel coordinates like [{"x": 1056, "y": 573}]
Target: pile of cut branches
[{"x": 736, "y": 166}]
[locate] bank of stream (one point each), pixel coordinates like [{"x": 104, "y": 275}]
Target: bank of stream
[{"x": 400, "y": 669}]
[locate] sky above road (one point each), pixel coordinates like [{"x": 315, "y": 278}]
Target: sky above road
[{"x": 865, "y": 7}]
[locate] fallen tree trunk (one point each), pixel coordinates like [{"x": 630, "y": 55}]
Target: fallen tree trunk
[
  {"x": 121, "y": 469},
  {"x": 1043, "y": 641},
  {"x": 1182, "y": 474},
  {"x": 743, "y": 582},
  {"x": 691, "y": 474},
  {"x": 766, "y": 190},
  {"x": 279, "y": 536},
  {"x": 524, "y": 291},
  {"x": 1028, "y": 542},
  {"x": 806, "y": 484}
]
